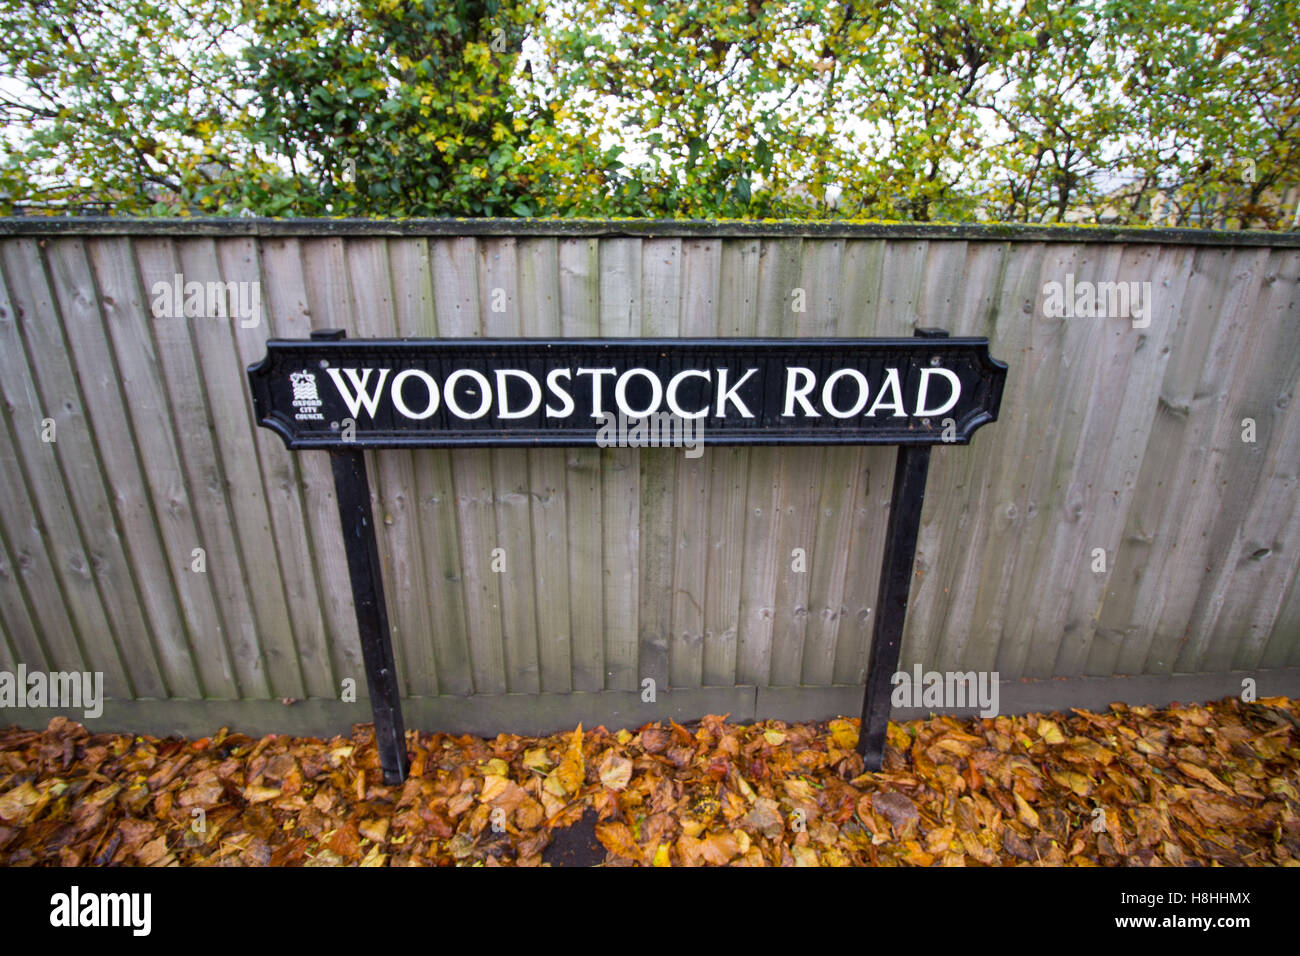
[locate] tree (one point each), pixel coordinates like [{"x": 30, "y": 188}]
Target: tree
[
  {"x": 1016, "y": 110},
  {"x": 285, "y": 107}
]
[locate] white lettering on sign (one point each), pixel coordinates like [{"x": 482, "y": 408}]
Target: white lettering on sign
[{"x": 513, "y": 393}]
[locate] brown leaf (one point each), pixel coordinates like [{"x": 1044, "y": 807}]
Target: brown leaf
[
  {"x": 617, "y": 839},
  {"x": 615, "y": 770},
  {"x": 152, "y": 852},
  {"x": 1204, "y": 776},
  {"x": 654, "y": 739},
  {"x": 719, "y": 849},
  {"x": 765, "y": 818},
  {"x": 346, "y": 842},
  {"x": 895, "y": 807}
]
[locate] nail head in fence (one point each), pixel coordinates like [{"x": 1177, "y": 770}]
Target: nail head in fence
[{"x": 342, "y": 395}]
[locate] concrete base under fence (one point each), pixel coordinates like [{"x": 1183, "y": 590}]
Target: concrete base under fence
[{"x": 546, "y": 713}]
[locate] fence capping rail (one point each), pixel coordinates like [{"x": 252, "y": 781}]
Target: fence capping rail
[{"x": 645, "y": 228}]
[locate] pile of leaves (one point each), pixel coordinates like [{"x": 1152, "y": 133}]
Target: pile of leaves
[{"x": 1196, "y": 785}]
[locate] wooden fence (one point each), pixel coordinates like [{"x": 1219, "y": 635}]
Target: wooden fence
[{"x": 1121, "y": 518}]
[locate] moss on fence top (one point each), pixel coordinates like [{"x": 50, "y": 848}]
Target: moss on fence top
[{"x": 659, "y": 228}]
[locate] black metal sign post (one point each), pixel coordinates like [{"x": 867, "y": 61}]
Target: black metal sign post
[
  {"x": 344, "y": 396},
  {"x": 910, "y": 472},
  {"x": 352, "y": 489}
]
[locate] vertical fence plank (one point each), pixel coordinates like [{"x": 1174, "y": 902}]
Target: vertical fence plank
[
  {"x": 23, "y": 642},
  {"x": 660, "y": 317},
  {"x": 1124, "y": 427},
  {"x": 434, "y": 521},
  {"x": 692, "y": 508},
  {"x": 620, "y": 263},
  {"x": 1174, "y": 502},
  {"x": 559, "y": 642},
  {"x": 191, "y": 671},
  {"x": 839, "y": 485},
  {"x": 765, "y": 565},
  {"x": 728, "y": 467},
  {"x": 498, "y": 276},
  {"x": 576, "y": 286},
  {"x": 996, "y": 515},
  {"x": 862, "y": 316},
  {"x": 809, "y": 308},
  {"x": 454, "y": 265},
  {"x": 941, "y": 304},
  {"x": 1215, "y": 481},
  {"x": 1070, "y": 353}
]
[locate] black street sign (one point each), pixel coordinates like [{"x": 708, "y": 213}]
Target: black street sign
[
  {"x": 340, "y": 395},
  {"x": 397, "y": 393}
]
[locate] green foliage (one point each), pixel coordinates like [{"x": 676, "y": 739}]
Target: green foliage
[
  {"x": 394, "y": 108},
  {"x": 122, "y": 101},
  {"x": 1013, "y": 110}
]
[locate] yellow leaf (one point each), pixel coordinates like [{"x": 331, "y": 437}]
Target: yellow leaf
[
  {"x": 691, "y": 826},
  {"x": 897, "y": 737},
  {"x": 1027, "y": 815},
  {"x": 805, "y": 856},
  {"x": 844, "y": 734},
  {"x": 913, "y": 854},
  {"x": 536, "y": 759},
  {"x": 493, "y": 787},
  {"x": 1074, "y": 781},
  {"x": 375, "y": 829},
  {"x": 746, "y": 790},
  {"x": 661, "y": 855},
  {"x": 568, "y": 777},
  {"x": 742, "y": 840},
  {"x": 1050, "y": 732},
  {"x": 13, "y": 805}
]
